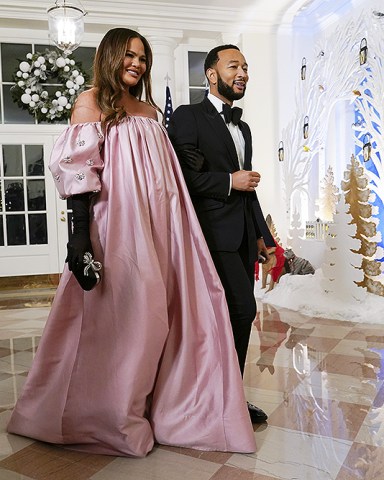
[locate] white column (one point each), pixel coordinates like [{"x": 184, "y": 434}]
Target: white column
[{"x": 163, "y": 43}]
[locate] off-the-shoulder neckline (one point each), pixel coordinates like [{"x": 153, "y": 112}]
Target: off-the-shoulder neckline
[{"x": 123, "y": 120}]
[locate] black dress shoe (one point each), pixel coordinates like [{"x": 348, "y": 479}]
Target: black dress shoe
[{"x": 257, "y": 415}]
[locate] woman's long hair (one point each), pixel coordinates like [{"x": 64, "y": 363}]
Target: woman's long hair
[{"x": 107, "y": 68}]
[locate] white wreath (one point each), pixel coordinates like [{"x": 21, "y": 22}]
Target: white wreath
[{"x": 30, "y": 89}]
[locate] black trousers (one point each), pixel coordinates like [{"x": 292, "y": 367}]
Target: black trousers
[{"x": 237, "y": 274}]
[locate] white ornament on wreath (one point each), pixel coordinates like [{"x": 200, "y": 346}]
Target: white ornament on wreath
[{"x": 31, "y": 81}]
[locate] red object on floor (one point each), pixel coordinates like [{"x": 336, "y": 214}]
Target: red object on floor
[{"x": 276, "y": 270}]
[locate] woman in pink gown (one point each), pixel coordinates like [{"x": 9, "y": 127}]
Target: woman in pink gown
[{"x": 146, "y": 356}]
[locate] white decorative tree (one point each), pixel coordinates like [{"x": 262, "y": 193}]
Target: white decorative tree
[
  {"x": 370, "y": 104},
  {"x": 341, "y": 269},
  {"x": 331, "y": 77},
  {"x": 336, "y": 74},
  {"x": 296, "y": 233},
  {"x": 329, "y": 196}
]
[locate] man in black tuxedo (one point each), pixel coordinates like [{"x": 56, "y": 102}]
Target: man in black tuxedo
[{"x": 214, "y": 148}]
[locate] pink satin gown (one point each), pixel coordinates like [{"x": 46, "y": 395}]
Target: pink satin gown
[{"x": 148, "y": 355}]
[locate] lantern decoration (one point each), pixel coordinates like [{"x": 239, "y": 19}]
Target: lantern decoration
[
  {"x": 303, "y": 68},
  {"x": 281, "y": 151},
  {"x": 367, "y": 147},
  {"x": 66, "y": 25},
  {"x": 306, "y": 127},
  {"x": 363, "y": 51}
]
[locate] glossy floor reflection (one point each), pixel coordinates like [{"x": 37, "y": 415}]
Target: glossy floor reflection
[{"x": 320, "y": 381}]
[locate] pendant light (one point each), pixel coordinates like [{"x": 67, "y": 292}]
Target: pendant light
[{"x": 66, "y": 24}]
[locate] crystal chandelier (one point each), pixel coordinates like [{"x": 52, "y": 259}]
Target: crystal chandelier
[{"x": 66, "y": 25}]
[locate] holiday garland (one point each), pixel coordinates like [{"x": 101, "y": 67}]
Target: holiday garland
[{"x": 33, "y": 81}]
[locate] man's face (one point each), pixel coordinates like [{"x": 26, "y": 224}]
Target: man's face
[{"x": 230, "y": 75}]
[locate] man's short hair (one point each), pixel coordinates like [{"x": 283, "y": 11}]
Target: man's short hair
[{"x": 212, "y": 57}]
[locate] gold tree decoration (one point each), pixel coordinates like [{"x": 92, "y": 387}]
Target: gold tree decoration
[
  {"x": 329, "y": 196},
  {"x": 357, "y": 196},
  {"x": 272, "y": 228}
]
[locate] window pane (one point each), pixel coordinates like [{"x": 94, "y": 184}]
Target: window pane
[
  {"x": 14, "y": 196},
  {"x": 196, "y": 95},
  {"x": 12, "y": 112},
  {"x": 38, "y": 229},
  {"x": 12, "y": 160},
  {"x": 85, "y": 56},
  {"x": 196, "y": 68},
  {"x": 36, "y": 194},
  {"x": 41, "y": 47},
  {"x": 11, "y": 56},
  {"x": 34, "y": 156},
  {"x": 1, "y": 232},
  {"x": 16, "y": 230}
]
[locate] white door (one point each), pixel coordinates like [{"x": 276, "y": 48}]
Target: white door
[{"x": 33, "y": 219}]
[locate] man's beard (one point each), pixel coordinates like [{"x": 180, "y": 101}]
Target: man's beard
[{"x": 227, "y": 92}]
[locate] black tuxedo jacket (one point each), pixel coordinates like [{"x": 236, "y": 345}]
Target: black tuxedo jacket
[{"x": 207, "y": 155}]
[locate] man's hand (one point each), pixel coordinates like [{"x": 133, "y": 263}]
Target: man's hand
[
  {"x": 245, "y": 180},
  {"x": 262, "y": 249}
]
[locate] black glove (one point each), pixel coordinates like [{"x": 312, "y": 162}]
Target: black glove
[
  {"x": 191, "y": 158},
  {"x": 80, "y": 241}
]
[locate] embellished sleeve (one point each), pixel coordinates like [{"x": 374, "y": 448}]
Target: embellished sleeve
[{"x": 76, "y": 161}]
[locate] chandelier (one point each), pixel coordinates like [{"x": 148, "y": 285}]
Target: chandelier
[{"x": 66, "y": 25}]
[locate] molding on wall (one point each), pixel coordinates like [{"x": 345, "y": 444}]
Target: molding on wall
[{"x": 101, "y": 15}]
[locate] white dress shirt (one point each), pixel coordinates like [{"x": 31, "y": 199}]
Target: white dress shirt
[{"x": 234, "y": 130}]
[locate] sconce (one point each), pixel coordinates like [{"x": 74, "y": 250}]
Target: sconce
[
  {"x": 363, "y": 51},
  {"x": 303, "y": 68},
  {"x": 66, "y": 25},
  {"x": 281, "y": 151},
  {"x": 305, "y": 127},
  {"x": 367, "y": 147}
]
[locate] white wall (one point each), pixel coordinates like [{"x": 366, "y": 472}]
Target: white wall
[{"x": 261, "y": 113}]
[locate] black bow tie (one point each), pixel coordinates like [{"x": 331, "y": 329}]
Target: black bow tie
[{"x": 231, "y": 114}]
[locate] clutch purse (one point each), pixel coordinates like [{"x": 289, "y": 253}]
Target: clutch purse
[{"x": 88, "y": 273}]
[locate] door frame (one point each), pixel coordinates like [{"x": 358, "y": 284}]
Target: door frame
[{"x": 49, "y": 258}]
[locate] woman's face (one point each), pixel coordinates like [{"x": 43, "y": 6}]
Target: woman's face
[{"x": 135, "y": 62}]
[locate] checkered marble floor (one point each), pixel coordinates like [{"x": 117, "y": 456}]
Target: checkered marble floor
[{"x": 320, "y": 381}]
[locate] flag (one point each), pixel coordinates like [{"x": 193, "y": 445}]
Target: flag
[{"x": 168, "y": 110}]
